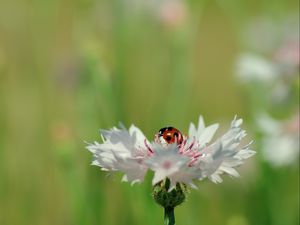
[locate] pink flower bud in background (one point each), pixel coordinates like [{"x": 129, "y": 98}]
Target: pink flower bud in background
[{"x": 173, "y": 13}]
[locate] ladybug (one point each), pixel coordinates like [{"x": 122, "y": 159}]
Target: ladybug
[{"x": 169, "y": 135}]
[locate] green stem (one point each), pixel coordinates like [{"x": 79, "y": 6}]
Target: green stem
[{"x": 169, "y": 216}]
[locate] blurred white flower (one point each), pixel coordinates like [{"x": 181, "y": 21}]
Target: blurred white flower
[
  {"x": 280, "y": 143},
  {"x": 276, "y": 75},
  {"x": 252, "y": 67},
  {"x": 182, "y": 159},
  {"x": 273, "y": 52}
]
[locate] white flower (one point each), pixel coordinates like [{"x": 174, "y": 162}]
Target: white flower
[
  {"x": 192, "y": 159},
  {"x": 252, "y": 67},
  {"x": 273, "y": 52},
  {"x": 275, "y": 77},
  {"x": 280, "y": 143}
]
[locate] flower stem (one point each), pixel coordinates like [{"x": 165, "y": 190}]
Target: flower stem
[{"x": 169, "y": 216}]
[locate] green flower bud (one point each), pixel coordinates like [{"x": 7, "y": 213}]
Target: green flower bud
[{"x": 166, "y": 198}]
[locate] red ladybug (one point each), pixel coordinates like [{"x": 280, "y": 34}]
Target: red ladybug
[{"x": 170, "y": 135}]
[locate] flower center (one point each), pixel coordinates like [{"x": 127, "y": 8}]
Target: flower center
[{"x": 167, "y": 165}]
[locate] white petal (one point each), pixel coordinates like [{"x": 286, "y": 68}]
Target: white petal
[
  {"x": 166, "y": 162},
  {"x": 123, "y": 151},
  {"x": 159, "y": 175},
  {"x": 202, "y": 134},
  {"x": 230, "y": 171},
  {"x": 216, "y": 178},
  {"x": 207, "y": 134},
  {"x": 193, "y": 185},
  {"x": 244, "y": 154},
  {"x": 192, "y": 130},
  {"x": 134, "y": 169},
  {"x": 225, "y": 154},
  {"x": 138, "y": 135},
  {"x": 201, "y": 124}
]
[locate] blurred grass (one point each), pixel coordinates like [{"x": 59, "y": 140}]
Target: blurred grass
[{"x": 68, "y": 68}]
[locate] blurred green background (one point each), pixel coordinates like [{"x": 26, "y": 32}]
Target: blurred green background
[{"x": 69, "y": 68}]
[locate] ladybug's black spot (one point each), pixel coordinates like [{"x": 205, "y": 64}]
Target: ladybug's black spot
[
  {"x": 176, "y": 134},
  {"x": 170, "y": 128},
  {"x": 162, "y": 130},
  {"x": 168, "y": 138}
]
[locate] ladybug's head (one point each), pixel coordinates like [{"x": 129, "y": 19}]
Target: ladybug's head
[{"x": 169, "y": 135}]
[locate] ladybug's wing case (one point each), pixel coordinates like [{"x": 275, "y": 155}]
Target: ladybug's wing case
[{"x": 170, "y": 135}]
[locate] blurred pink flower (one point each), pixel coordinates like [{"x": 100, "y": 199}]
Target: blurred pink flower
[
  {"x": 173, "y": 13},
  {"x": 288, "y": 53},
  {"x": 170, "y": 13}
]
